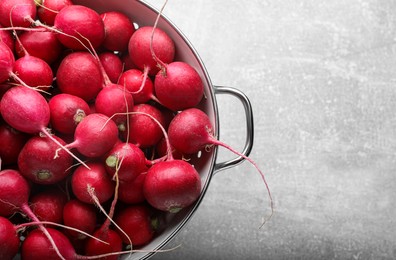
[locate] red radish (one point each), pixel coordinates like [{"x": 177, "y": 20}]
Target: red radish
[
  {"x": 37, "y": 247},
  {"x": 179, "y": 86},
  {"x": 132, "y": 79},
  {"x": 43, "y": 45},
  {"x": 34, "y": 72},
  {"x": 37, "y": 160},
  {"x": 119, "y": 29},
  {"x": 17, "y": 12},
  {"x": 20, "y": 105},
  {"x": 9, "y": 240},
  {"x": 112, "y": 65},
  {"x": 6, "y": 37},
  {"x": 81, "y": 23},
  {"x": 131, "y": 192},
  {"x": 127, "y": 160},
  {"x": 172, "y": 185},
  {"x": 95, "y": 178},
  {"x": 137, "y": 223},
  {"x": 14, "y": 195},
  {"x": 48, "y": 10},
  {"x": 67, "y": 111},
  {"x": 79, "y": 74},
  {"x": 12, "y": 142},
  {"x": 7, "y": 62},
  {"x": 95, "y": 135},
  {"x": 81, "y": 216},
  {"x": 113, "y": 99},
  {"x": 143, "y": 131},
  {"x": 94, "y": 247},
  {"x": 14, "y": 192},
  {"x": 48, "y": 205},
  {"x": 191, "y": 131},
  {"x": 140, "y": 51}
]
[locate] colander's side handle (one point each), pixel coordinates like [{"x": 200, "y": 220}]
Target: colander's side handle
[{"x": 249, "y": 126}]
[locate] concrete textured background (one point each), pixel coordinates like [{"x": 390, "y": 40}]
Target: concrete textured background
[{"x": 321, "y": 78}]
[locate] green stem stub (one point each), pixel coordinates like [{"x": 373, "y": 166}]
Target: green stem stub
[
  {"x": 175, "y": 209},
  {"x": 112, "y": 161},
  {"x": 155, "y": 223},
  {"x": 43, "y": 175},
  {"x": 79, "y": 116}
]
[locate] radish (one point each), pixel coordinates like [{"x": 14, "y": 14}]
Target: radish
[
  {"x": 95, "y": 135},
  {"x": 37, "y": 247},
  {"x": 119, "y": 29},
  {"x": 81, "y": 216},
  {"x": 48, "y": 204},
  {"x": 17, "y": 12},
  {"x": 12, "y": 142},
  {"x": 79, "y": 74},
  {"x": 37, "y": 163},
  {"x": 132, "y": 79},
  {"x": 20, "y": 105},
  {"x": 94, "y": 247},
  {"x": 112, "y": 65},
  {"x": 48, "y": 10},
  {"x": 137, "y": 223},
  {"x": 83, "y": 24},
  {"x": 43, "y": 45},
  {"x": 7, "y": 66},
  {"x": 33, "y": 72},
  {"x": 191, "y": 131},
  {"x": 147, "y": 40},
  {"x": 67, "y": 111},
  {"x": 96, "y": 179},
  {"x": 114, "y": 99},
  {"x": 143, "y": 131},
  {"x": 179, "y": 86},
  {"x": 172, "y": 185},
  {"x": 14, "y": 192},
  {"x": 9, "y": 240},
  {"x": 127, "y": 160}
]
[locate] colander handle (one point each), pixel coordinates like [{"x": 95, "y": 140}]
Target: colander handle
[{"x": 249, "y": 126}]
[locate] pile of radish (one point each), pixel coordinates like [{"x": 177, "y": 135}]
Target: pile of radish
[{"x": 98, "y": 122}]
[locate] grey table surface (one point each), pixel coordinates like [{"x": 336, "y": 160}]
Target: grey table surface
[{"x": 321, "y": 79}]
